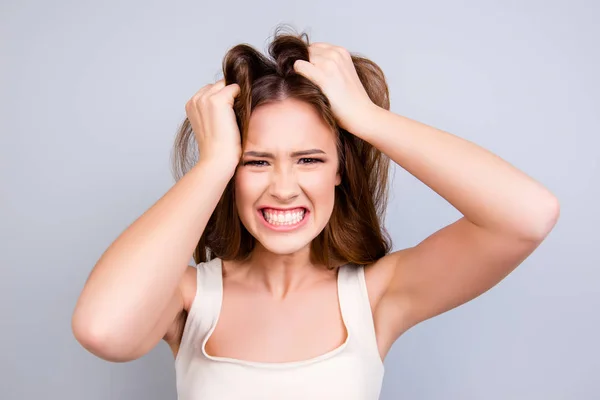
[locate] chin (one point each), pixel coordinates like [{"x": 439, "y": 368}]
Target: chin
[{"x": 284, "y": 247}]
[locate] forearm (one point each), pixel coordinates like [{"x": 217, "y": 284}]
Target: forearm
[
  {"x": 487, "y": 190},
  {"x": 136, "y": 277}
]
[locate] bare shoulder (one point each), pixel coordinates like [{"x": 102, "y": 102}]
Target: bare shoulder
[
  {"x": 378, "y": 276},
  {"x": 187, "y": 290}
]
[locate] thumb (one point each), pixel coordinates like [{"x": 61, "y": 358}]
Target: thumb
[
  {"x": 306, "y": 69},
  {"x": 231, "y": 92}
]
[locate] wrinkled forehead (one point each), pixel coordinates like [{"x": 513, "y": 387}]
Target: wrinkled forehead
[{"x": 288, "y": 125}]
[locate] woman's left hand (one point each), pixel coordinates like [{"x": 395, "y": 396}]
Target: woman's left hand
[{"x": 331, "y": 68}]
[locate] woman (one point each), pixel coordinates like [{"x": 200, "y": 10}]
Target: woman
[{"x": 296, "y": 293}]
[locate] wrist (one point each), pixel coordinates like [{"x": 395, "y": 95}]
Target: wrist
[
  {"x": 222, "y": 167},
  {"x": 364, "y": 126}
]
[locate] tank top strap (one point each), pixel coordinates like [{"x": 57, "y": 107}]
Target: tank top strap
[
  {"x": 356, "y": 308},
  {"x": 209, "y": 286},
  {"x": 204, "y": 309}
]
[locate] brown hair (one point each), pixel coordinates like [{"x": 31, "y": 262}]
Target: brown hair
[{"x": 355, "y": 231}]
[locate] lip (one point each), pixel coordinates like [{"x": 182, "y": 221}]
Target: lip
[
  {"x": 282, "y": 209},
  {"x": 283, "y": 228}
]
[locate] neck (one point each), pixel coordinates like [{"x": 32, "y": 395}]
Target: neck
[{"x": 282, "y": 274}]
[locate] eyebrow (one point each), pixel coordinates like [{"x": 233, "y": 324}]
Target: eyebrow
[{"x": 294, "y": 154}]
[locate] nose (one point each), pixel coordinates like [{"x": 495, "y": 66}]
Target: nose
[{"x": 284, "y": 184}]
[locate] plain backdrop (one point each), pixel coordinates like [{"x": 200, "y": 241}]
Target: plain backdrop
[{"x": 92, "y": 93}]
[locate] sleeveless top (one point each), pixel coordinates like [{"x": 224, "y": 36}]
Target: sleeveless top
[{"x": 353, "y": 370}]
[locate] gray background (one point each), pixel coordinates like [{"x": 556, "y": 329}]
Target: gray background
[{"x": 93, "y": 92}]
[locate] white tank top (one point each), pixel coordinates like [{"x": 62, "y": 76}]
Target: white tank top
[{"x": 354, "y": 370}]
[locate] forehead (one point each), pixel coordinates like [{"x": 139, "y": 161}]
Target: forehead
[{"x": 288, "y": 124}]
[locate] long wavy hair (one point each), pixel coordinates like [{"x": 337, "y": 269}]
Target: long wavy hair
[{"x": 355, "y": 232}]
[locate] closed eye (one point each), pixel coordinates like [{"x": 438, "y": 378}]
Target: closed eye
[
  {"x": 310, "y": 160},
  {"x": 263, "y": 163},
  {"x": 259, "y": 163}
]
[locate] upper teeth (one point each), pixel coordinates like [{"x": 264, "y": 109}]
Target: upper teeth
[{"x": 283, "y": 218}]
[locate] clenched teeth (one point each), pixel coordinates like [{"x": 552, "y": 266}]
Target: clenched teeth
[{"x": 283, "y": 218}]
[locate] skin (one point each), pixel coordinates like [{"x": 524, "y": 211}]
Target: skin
[
  {"x": 278, "y": 306},
  {"x": 505, "y": 216},
  {"x": 285, "y": 181}
]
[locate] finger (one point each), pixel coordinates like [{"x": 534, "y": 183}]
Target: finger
[
  {"x": 327, "y": 50},
  {"x": 230, "y": 92},
  {"x": 217, "y": 86},
  {"x": 307, "y": 69},
  {"x": 200, "y": 92},
  {"x": 319, "y": 54},
  {"x": 206, "y": 90},
  {"x": 322, "y": 45},
  {"x": 342, "y": 52},
  {"x": 330, "y": 47}
]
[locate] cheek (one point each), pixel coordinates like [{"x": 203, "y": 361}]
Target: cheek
[
  {"x": 248, "y": 188},
  {"x": 320, "y": 186}
]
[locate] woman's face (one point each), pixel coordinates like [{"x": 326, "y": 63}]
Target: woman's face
[{"x": 285, "y": 185}]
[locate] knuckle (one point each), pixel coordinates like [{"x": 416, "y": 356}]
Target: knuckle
[
  {"x": 330, "y": 64},
  {"x": 212, "y": 100},
  {"x": 343, "y": 52},
  {"x": 190, "y": 105},
  {"x": 335, "y": 54},
  {"x": 194, "y": 100},
  {"x": 202, "y": 92},
  {"x": 203, "y": 101}
]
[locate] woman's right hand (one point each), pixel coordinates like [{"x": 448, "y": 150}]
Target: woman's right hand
[{"x": 210, "y": 112}]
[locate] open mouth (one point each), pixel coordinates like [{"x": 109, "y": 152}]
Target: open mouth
[{"x": 284, "y": 219}]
